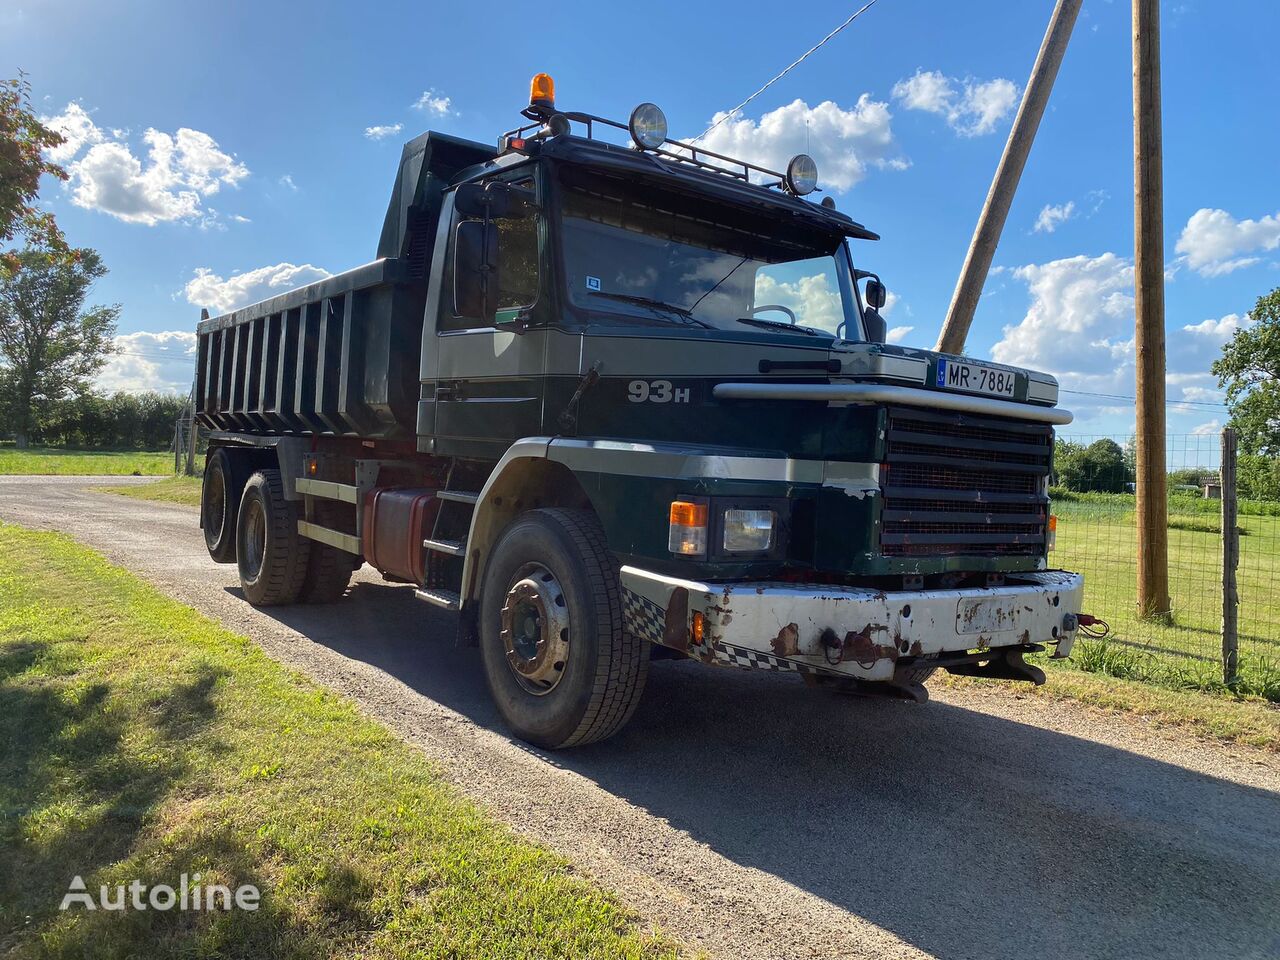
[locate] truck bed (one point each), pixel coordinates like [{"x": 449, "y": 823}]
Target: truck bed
[{"x": 341, "y": 356}]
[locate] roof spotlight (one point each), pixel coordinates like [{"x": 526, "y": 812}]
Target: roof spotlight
[
  {"x": 802, "y": 175},
  {"x": 648, "y": 126}
]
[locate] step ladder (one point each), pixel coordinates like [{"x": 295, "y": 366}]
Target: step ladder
[{"x": 449, "y": 538}]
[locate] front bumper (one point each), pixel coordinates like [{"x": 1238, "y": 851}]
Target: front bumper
[{"x": 855, "y": 632}]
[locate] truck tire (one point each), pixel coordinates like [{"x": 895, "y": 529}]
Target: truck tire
[
  {"x": 224, "y": 479},
  {"x": 270, "y": 553},
  {"x": 328, "y": 568},
  {"x": 558, "y": 664},
  {"x": 328, "y": 574},
  {"x": 918, "y": 673}
]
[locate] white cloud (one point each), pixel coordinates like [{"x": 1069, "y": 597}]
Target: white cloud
[
  {"x": 208, "y": 289},
  {"x": 78, "y": 129},
  {"x": 898, "y": 334},
  {"x": 1079, "y": 324},
  {"x": 1212, "y": 428},
  {"x": 971, "y": 108},
  {"x": 1213, "y": 241},
  {"x": 179, "y": 172},
  {"x": 162, "y": 361},
  {"x": 382, "y": 131},
  {"x": 1053, "y": 216},
  {"x": 435, "y": 103},
  {"x": 1220, "y": 330},
  {"x": 845, "y": 143},
  {"x": 287, "y": 182}
]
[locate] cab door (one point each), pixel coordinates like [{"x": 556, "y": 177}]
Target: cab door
[{"x": 489, "y": 347}]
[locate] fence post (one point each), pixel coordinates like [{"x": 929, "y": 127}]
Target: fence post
[{"x": 1230, "y": 558}]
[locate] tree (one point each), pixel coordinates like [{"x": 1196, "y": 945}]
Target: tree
[
  {"x": 50, "y": 347},
  {"x": 23, "y": 140},
  {"x": 1249, "y": 369}
]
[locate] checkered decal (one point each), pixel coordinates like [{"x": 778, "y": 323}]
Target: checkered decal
[
  {"x": 733, "y": 656},
  {"x": 642, "y": 617},
  {"x": 648, "y": 621}
]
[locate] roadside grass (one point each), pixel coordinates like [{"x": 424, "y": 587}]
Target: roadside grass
[
  {"x": 142, "y": 741},
  {"x": 1249, "y": 722},
  {"x": 46, "y": 461},
  {"x": 184, "y": 490}
]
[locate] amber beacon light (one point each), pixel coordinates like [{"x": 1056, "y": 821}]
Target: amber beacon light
[{"x": 542, "y": 91}]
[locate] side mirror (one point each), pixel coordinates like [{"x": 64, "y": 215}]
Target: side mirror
[
  {"x": 875, "y": 294},
  {"x": 494, "y": 201},
  {"x": 475, "y": 270},
  {"x": 877, "y": 328}
]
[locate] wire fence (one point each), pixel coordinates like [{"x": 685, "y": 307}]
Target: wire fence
[{"x": 1094, "y": 498}]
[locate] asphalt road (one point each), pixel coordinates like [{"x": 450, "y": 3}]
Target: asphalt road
[{"x": 754, "y": 818}]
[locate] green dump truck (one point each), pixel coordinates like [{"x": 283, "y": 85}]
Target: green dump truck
[{"x": 613, "y": 397}]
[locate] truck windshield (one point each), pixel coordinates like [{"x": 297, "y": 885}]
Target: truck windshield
[{"x": 648, "y": 256}]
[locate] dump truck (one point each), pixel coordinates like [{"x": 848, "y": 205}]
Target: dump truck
[{"x": 612, "y": 397}]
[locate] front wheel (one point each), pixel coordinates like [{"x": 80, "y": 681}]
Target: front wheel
[{"x": 558, "y": 664}]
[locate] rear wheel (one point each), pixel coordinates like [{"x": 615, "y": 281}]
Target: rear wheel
[
  {"x": 558, "y": 664},
  {"x": 328, "y": 568},
  {"x": 271, "y": 555},
  {"x": 224, "y": 480}
]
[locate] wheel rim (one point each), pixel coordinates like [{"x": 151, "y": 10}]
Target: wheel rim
[
  {"x": 535, "y": 629},
  {"x": 254, "y": 546},
  {"x": 215, "y": 500}
]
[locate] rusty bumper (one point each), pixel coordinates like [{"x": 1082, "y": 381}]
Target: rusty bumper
[{"x": 851, "y": 631}]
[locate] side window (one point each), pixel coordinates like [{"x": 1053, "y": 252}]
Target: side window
[{"x": 517, "y": 259}]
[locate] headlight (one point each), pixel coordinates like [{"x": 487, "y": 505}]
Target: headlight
[
  {"x": 648, "y": 126},
  {"x": 748, "y": 531}
]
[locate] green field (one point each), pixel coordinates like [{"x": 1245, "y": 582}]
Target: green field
[
  {"x": 143, "y": 741},
  {"x": 46, "y": 461},
  {"x": 184, "y": 490},
  {"x": 1097, "y": 537}
]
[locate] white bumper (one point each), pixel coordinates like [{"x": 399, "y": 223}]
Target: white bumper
[{"x": 856, "y": 632}]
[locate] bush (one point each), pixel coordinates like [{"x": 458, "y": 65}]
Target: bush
[{"x": 122, "y": 421}]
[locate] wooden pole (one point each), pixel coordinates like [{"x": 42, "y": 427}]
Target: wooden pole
[
  {"x": 1148, "y": 242},
  {"x": 986, "y": 236},
  {"x": 1230, "y": 559}
]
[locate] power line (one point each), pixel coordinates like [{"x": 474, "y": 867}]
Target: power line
[
  {"x": 1116, "y": 396},
  {"x": 798, "y": 61}
]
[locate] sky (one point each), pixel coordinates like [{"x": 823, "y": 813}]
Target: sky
[{"x": 220, "y": 153}]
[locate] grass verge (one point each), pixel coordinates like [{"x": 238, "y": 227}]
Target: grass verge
[
  {"x": 142, "y": 741},
  {"x": 1251, "y": 722},
  {"x": 184, "y": 490},
  {"x": 46, "y": 461}
]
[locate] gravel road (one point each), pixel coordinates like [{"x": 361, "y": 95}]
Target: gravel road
[{"x": 753, "y": 818}]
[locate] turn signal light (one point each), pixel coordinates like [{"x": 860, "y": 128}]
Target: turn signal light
[
  {"x": 1053, "y": 531},
  {"x": 542, "y": 90},
  {"x": 699, "y": 630},
  {"x": 687, "y": 534}
]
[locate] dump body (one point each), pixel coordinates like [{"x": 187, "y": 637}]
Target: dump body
[{"x": 340, "y": 356}]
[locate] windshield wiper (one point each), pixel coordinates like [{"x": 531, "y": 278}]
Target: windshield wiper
[
  {"x": 779, "y": 325},
  {"x": 660, "y": 307}
]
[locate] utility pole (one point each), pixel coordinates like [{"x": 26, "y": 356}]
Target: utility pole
[
  {"x": 1148, "y": 257},
  {"x": 982, "y": 248}
]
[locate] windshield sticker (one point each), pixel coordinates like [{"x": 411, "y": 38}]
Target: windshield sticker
[{"x": 593, "y": 283}]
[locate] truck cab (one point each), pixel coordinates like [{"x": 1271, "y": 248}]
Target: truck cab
[{"x": 612, "y": 401}]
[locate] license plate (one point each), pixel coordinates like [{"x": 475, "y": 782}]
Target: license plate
[{"x": 974, "y": 378}]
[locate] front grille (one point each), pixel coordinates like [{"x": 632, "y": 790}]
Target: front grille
[{"x": 959, "y": 485}]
